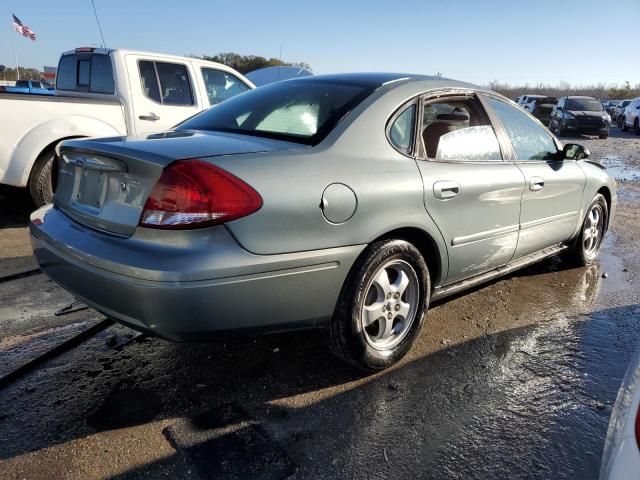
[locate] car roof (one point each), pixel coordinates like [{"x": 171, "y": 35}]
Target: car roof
[
  {"x": 581, "y": 96},
  {"x": 379, "y": 79}
]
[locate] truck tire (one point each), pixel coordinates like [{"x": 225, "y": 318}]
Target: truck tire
[{"x": 43, "y": 179}]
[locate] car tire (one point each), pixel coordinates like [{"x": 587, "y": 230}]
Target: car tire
[
  {"x": 559, "y": 129},
  {"x": 42, "y": 180},
  {"x": 355, "y": 334},
  {"x": 603, "y": 136},
  {"x": 586, "y": 246},
  {"x": 624, "y": 125},
  {"x": 636, "y": 127}
]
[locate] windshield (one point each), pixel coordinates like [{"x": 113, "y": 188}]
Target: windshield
[
  {"x": 625, "y": 103},
  {"x": 302, "y": 111},
  {"x": 583, "y": 104}
]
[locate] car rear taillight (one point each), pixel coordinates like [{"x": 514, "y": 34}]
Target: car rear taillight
[{"x": 194, "y": 194}]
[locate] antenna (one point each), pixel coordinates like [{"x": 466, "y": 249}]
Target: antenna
[{"x": 98, "y": 22}]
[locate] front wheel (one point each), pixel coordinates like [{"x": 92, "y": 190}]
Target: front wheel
[
  {"x": 603, "y": 136},
  {"x": 382, "y": 306},
  {"x": 636, "y": 127},
  {"x": 587, "y": 246}
]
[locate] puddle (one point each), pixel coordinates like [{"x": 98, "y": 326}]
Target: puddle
[{"x": 619, "y": 169}]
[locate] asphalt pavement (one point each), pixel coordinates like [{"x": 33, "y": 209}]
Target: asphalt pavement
[{"x": 515, "y": 379}]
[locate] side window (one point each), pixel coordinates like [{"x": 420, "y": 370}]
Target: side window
[
  {"x": 174, "y": 84},
  {"x": 166, "y": 83},
  {"x": 401, "y": 130},
  {"x": 458, "y": 129},
  {"x": 529, "y": 140},
  {"x": 221, "y": 85},
  {"x": 149, "y": 81}
]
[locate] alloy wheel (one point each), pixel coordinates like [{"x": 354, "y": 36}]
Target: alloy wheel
[
  {"x": 592, "y": 233},
  {"x": 390, "y": 305}
]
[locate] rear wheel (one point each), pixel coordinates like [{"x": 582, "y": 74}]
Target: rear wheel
[
  {"x": 636, "y": 127},
  {"x": 382, "y": 306},
  {"x": 43, "y": 178},
  {"x": 587, "y": 246},
  {"x": 603, "y": 136}
]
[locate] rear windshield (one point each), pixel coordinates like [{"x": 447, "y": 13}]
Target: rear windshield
[
  {"x": 302, "y": 111},
  {"x": 85, "y": 73},
  {"x": 586, "y": 104},
  {"x": 546, "y": 101}
]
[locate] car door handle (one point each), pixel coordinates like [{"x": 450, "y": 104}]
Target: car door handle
[
  {"x": 445, "y": 189},
  {"x": 152, "y": 117},
  {"x": 536, "y": 183}
]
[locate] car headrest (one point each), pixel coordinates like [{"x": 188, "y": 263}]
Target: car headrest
[{"x": 460, "y": 117}]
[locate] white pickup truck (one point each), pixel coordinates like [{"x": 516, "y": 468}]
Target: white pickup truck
[{"x": 103, "y": 93}]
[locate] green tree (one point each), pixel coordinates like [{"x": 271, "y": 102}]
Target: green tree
[{"x": 249, "y": 63}]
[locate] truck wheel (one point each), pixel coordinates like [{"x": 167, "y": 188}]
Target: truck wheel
[
  {"x": 42, "y": 180},
  {"x": 586, "y": 247},
  {"x": 382, "y": 306}
]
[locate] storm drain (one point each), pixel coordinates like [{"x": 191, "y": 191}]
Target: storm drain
[{"x": 225, "y": 443}]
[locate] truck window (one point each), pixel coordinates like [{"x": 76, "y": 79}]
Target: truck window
[
  {"x": 221, "y": 85},
  {"x": 166, "y": 83},
  {"x": 85, "y": 73}
]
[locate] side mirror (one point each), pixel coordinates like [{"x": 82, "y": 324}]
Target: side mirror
[{"x": 574, "y": 151}]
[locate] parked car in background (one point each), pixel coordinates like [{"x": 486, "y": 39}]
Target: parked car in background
[
  {"x": 579, "y": 115},
  {"x": 30, "y": 86},
  {"x": 617, "y": 111},
  {"x": 621, "y": 457},
  {"x": 631, "y": 116},
  {"x": 541, "y": 108},
  {"x": 345, "y": 202},
  {"x": 104, "y": 92},
  {"x": 524, "y": 99},
  {"x": 609, "y": 105}
]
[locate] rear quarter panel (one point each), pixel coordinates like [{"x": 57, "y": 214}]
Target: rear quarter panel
[{"x": 387, "y": 184}]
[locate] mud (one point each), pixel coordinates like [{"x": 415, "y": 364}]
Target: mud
[{"x": 512, "y": 380}]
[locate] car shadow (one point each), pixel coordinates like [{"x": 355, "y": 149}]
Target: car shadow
[{"x": 15, "y": 207}]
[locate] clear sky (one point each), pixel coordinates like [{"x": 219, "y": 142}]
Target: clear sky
[{"x": 515, "y": 41}]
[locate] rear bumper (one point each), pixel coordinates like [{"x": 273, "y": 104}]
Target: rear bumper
[{"x": 187, "y": 291}]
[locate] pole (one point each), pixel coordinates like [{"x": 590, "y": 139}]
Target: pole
[
  {"x": 15, "y": 54},
  {"x": 98, "y": 22}
]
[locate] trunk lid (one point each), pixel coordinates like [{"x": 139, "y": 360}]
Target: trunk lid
[{"x": 104, "y": 183}]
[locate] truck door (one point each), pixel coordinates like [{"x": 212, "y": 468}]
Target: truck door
[{"x": 162, "y": 93}]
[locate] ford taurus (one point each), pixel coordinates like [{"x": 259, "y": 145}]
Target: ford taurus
[{"x": 347, "y": 202}]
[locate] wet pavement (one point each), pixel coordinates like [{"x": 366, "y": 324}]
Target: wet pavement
[{"x": 516, "y": 379}]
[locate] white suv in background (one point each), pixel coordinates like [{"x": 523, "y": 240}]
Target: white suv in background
[
  {"x": 522, "y": 100},
  {"x": 631, "y": 116}
]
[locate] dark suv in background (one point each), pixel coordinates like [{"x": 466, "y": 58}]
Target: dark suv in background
[{"x": 578, "y": 115}]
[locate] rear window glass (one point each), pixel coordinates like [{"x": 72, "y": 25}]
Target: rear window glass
[
  {"x": 302, "y": 111},
  {"x": 85, "y": 73}
]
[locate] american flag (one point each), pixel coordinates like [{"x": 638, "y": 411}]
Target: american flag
[{"x": 22, "y": 29}]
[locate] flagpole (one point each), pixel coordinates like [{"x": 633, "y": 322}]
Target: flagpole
[{"x": 15, "y": 54}]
